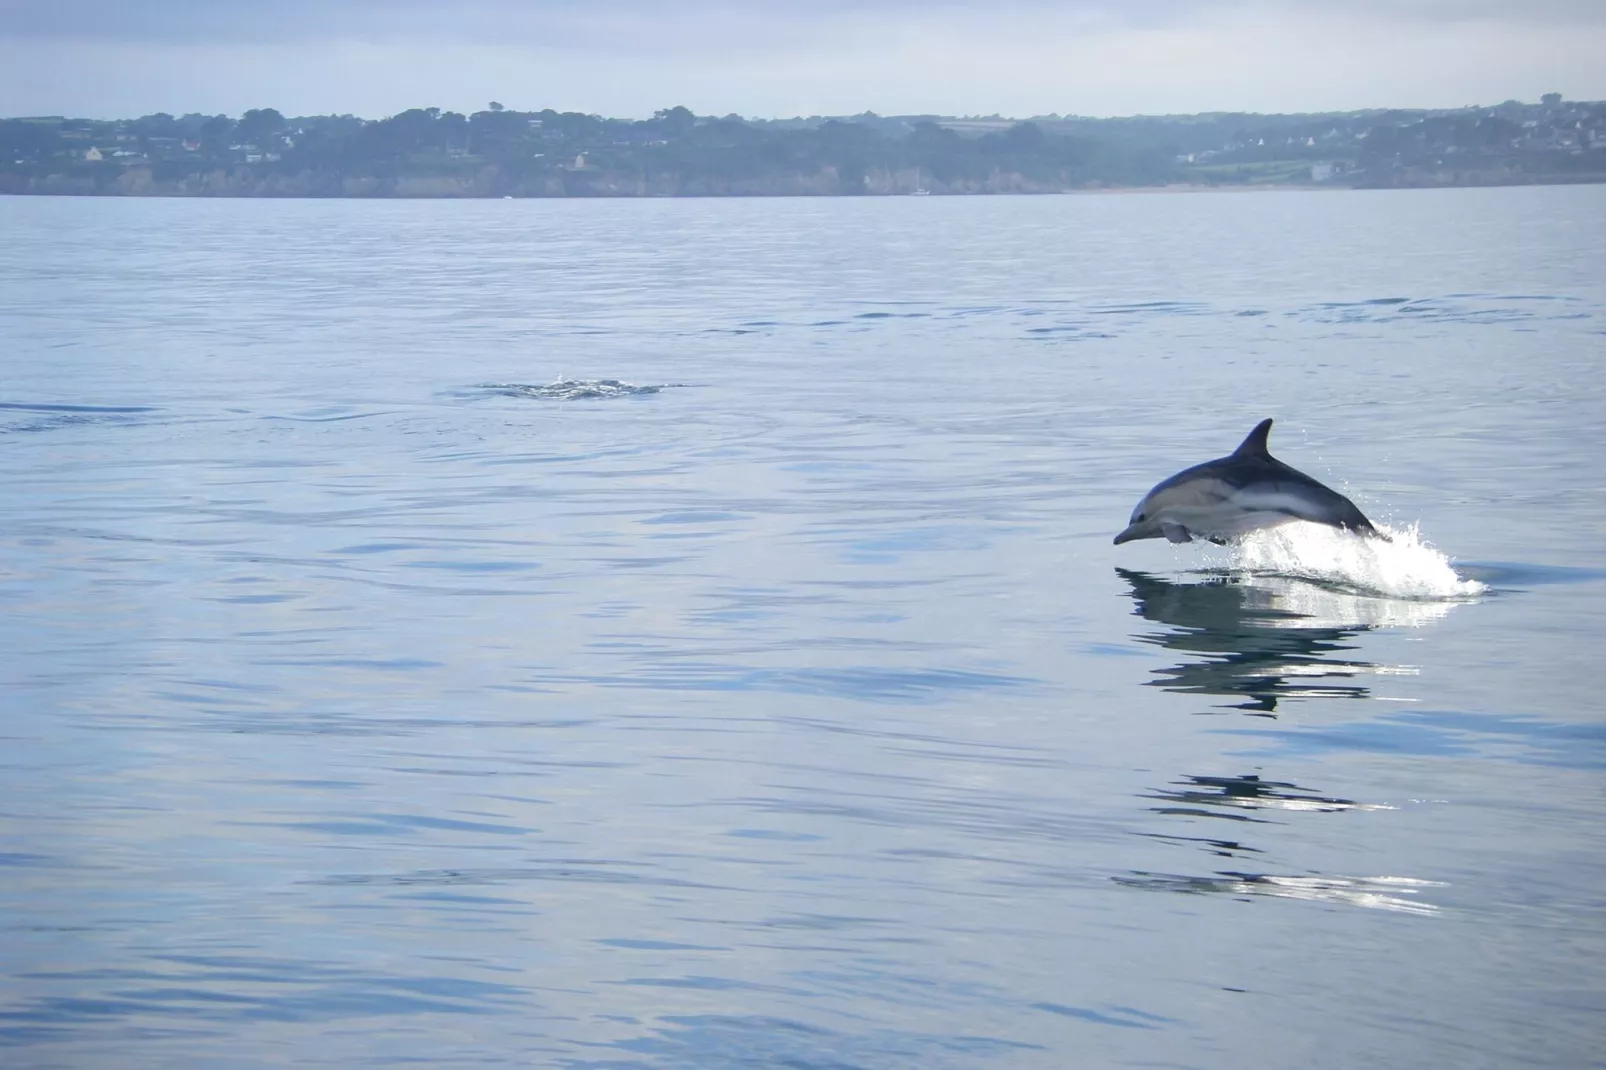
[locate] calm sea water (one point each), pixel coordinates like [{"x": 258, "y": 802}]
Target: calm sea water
[{"x": 373, "y": 698}]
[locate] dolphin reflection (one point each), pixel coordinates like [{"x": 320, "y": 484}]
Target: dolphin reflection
[
  {"x": 1229, "y": 796},
  {"x": 1249, "y": 798},
  {"x": 1376, "y": 893},
  {"x": 1260, "y": 639}
]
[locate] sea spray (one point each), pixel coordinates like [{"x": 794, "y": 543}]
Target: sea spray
[{"x": 1404, "y": 567}]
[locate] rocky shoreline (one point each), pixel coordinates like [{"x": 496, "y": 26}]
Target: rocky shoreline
[{"x": 493, "y": 182}]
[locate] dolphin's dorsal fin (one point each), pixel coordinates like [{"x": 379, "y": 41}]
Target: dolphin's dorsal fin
[{"x": 1255, "y": 444}]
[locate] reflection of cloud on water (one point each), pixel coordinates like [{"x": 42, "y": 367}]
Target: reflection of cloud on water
[
  {"x": 1376, "y": 893},
  {"x": 1522, "y": 739},
  {"x": 1259, "y": 639}
]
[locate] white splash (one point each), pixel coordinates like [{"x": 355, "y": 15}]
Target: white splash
[
  {"x": 1403, "y": 568},
  {"x": 1306, "y": 603}
]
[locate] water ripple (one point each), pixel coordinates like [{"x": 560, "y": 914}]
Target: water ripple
[{"x": 360, "y": 716}]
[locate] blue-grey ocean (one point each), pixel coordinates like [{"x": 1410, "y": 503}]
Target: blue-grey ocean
[{"x": 686, "y": 634}]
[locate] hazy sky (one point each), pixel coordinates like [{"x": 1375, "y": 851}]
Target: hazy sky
[{"x": 766, "y": 58}]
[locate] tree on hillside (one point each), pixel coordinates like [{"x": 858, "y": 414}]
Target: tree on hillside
[
  {"x": 215, "y": 134},
  {"x": 258, "y": 126},
  {"x": 160, "y": 124},
  {"x": 675, "y": 122}
]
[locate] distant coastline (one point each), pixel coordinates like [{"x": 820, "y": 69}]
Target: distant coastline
[{"x": 500, "y": 152}]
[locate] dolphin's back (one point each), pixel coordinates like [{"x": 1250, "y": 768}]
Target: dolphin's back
[
  {"x": 1250, "y": 482},
  {"x": 1251, "y": 468},
  {"x": 1251, "y": 462}
]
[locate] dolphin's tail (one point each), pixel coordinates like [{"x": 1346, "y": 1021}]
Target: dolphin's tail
[
  {"x": 1352, "y": 519},
  {"x": 1362, "y": 526}
]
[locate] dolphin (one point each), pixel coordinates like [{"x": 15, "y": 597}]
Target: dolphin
[{"x": 1231, "y": 496}]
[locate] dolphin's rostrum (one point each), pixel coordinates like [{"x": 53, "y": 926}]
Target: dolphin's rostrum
[{"x": 1243, "y": 492}]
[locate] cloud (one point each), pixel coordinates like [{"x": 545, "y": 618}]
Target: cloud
[
  {"x": 765, "y": 57},
  {"x": 632, "y": 22}
]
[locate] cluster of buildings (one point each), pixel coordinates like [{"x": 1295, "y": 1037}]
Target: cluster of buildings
[
  {"x": 1553, "y": 135},
  {"x": 1553, "y": 139}
]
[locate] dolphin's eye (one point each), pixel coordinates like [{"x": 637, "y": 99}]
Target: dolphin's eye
[{"x": 1140, "y": 518}]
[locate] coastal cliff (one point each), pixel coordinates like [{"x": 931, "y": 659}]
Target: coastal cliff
[{"x": 425, "y": 152}]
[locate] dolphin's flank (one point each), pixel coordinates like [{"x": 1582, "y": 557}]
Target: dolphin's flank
[{"x": 1234, "y": 495}]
